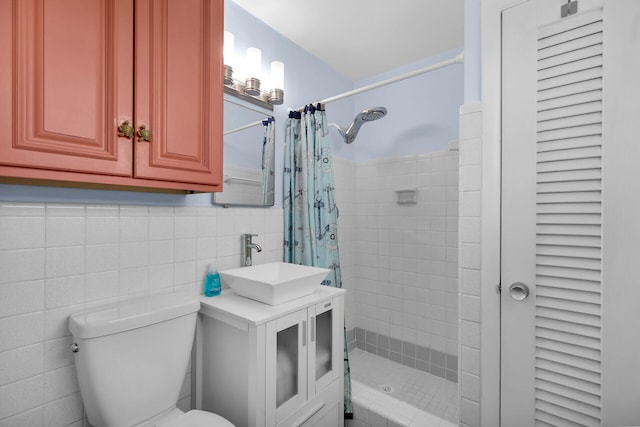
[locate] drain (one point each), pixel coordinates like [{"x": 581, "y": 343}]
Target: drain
[{"x": 385, "y": 388}]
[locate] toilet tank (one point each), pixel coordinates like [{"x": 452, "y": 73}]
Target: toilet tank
[{"x": 132, "y": 356}]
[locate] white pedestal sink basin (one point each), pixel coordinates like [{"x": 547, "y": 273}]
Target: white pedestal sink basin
[{"x": 274, "y": 283}]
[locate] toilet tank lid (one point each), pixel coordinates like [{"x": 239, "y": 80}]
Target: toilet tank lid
[{"x": 131, "y": 314}]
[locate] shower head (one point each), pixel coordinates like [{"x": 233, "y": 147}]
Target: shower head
[{"x": 368, "y": 115}]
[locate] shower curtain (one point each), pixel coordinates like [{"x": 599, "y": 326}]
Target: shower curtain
[
  {"x": 310, "y": 212},
  {"x": 268, "y": 172}
]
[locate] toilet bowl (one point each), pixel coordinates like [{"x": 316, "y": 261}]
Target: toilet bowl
[{"x": 131, "y": 358}]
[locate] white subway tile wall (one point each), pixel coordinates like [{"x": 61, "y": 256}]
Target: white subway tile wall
[
  {"x": 56, "y": 259},
  {"x": 399, "y": 264},
  {"x": 469, "y": 270},
  {"x": 406, "y": 256}
]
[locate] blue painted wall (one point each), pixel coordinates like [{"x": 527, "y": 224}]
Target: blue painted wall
[
  {"x": 472, "y": 68},
  {"x": 422, "y": 111}
]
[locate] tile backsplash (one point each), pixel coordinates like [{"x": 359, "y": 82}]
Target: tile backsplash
[{"x": 56, "y": 259}]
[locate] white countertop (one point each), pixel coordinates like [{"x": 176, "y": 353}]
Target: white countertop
[{"x": 255, "y": 312}]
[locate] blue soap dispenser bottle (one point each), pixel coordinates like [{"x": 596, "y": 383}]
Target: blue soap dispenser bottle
[{"x": 212, "y": 285}]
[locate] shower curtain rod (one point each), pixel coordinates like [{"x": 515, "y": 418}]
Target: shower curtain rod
[
  {"x": 458, "y": 59},
  {"x": 250, "y": 125}
]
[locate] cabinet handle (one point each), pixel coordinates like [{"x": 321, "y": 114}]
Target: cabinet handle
[
  {"x": 125, "y": 130},
  {"x": 313, "y": 328},
  {"x": 304, "y": 333},
  {"x": 144, "y": 134},
  {"x": 311, "y": 413}
]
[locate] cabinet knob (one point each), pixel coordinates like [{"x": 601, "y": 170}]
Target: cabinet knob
[
  {"x": 125, "y": 130},
  {"x": 144, "y": 134}
]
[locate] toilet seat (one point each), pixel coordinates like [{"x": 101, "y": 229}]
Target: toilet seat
[{"x": 196, "y": 418}]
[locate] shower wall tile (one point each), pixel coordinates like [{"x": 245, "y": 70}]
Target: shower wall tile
[
  {"x": 470, "y": 410},
  {"x": 407, "y": 255},
  {"x": 470, "y": 262},
  {"x": 470, "y": 386},
  {"x": 407, "y": 353},
  {"x": 56, "y": 259}
]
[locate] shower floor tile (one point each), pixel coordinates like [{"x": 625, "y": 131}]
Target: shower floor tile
[{"x": 414, "y": 392}]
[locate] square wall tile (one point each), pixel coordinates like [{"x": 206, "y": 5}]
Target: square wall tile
[
  {"x": 185, "y": 227},
  {"x": 65, "y": 261},
  {"x": 22, "y": 330},
  {"x": 21, "y": 363},
  {"x": 21, "y": 396},
  {"x": 21, "y": 297},
  {"x": 134, "y": 228},
  {"x": 161, "y": 227},
  {"x": 65, "y": 231},
  {"x": 102, "y": 257},
  {"x": 21, "y": 265},
  {"x": 22, "y": 232},
  {"x": 101, "y": 230},
  {"x": 60, "y": 382},
  {"x": 64, "y": 411},
  {"x": 470, "y": 413},
  {"x": 64, "y": 291}
]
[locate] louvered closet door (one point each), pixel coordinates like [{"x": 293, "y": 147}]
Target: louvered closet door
[
  {"x": 552, "y": 215},
  {"x": 571, "y": 214}
]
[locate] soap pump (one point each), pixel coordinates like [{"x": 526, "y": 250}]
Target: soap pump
[{"x": 212, "y": 285}]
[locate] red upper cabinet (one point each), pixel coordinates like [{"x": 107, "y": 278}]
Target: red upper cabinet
[
  {"x": 72, "y": 71},
  {"x": 179, "y": 90}
]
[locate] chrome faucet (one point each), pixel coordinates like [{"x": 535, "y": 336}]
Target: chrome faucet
[{"x": 247, "y": 246}]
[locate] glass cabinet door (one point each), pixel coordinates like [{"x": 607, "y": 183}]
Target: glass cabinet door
[
  {"x": 286, "y": 342},
  {"x": 324, "y": 343},
  {"x": 325, "y": 349},
  {"x": 287, "y": 370}
]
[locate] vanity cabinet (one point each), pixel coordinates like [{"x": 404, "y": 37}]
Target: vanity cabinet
[
  {"x": 112, "y": 92},
  {"x": 260, "y": 365}
]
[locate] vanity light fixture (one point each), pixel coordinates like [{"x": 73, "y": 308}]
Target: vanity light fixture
[{"x": 249, "y": 88}]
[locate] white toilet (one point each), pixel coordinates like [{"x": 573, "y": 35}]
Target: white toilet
[{"x": 131, "y": 358}]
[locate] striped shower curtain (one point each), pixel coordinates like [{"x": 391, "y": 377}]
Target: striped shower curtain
[{"x": 310, "y": 212}]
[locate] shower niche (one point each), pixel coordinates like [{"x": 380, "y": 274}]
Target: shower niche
[{"x": 261, "y": 365}]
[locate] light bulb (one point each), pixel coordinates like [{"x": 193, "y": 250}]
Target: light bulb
[
  {"x": 228, "y": 48},
  {"x": 254, "y": 62},
  {"x": 276, "y": 94},
  {"x": 228, "y": 58},
  {"x": 254, "y": 71},
  {"x": 277, "y": 75}
]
